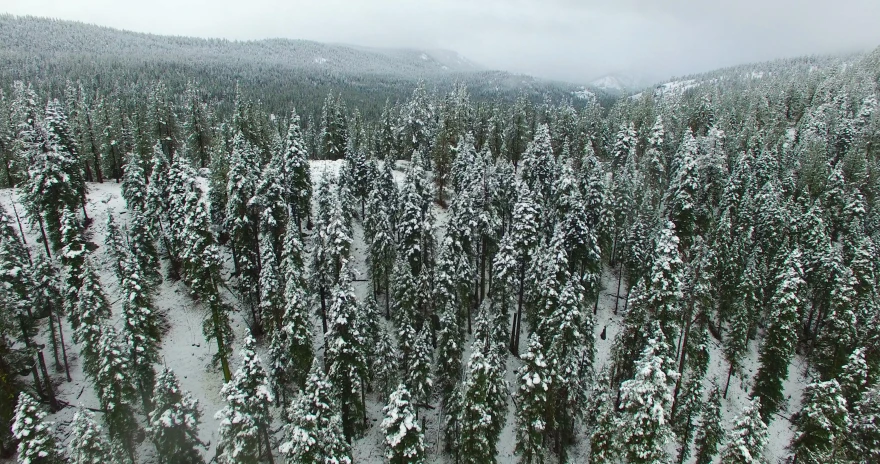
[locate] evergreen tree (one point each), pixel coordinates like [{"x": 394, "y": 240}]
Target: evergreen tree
[
  {"x": 417, "y": 373},
  {"x": 114, "y": 383},
  {"x": 822, "y": 425},
  {"x": 604, "y": 421},
  {"x": 314, "y": 433},
  {"x": 346, "y": 356},
  {"x": 404, "y": 441},
  {"x": 271, "y": 291},
  {"x": 245, "y": 421},
  {"x": 291, "y": 348},
  {"x": 866, "y": 442},
  {"x": 242, "y": 223},
  {"x": 539, "y": 169},
  {"x": 379, "y": 232},
  {"x": 90, "y": 311},
  {"x": 746, "y": 442},
  {"x": 87, "y": 442},
  {"x": 385, "y": 367},
  {"x": 36, "y": 444},
  {"x": 780, "y": 340},
  {"x": 73, "y": 255},
  {"x": 710, "y": 433},
  {"x": 49, "y": 299},
  {"x": 141, "y": 246},
  {"x": 116, "y": 246},
  {"x": 482, "y": 414},
  {"x": 644, "y": 402},
  {"x": 532, "y": 399},
  {"x": 48, "y": 191},
  {"x": 295, "y": 172},
  {"x": 140, "y": 329},
  {"x": 174, "y": 421}
]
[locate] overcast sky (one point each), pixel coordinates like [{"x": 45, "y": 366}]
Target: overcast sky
[{"x": 563, "y": 39}]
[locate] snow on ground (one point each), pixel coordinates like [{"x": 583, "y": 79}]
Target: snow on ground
[{"x": 185, "y": 350}]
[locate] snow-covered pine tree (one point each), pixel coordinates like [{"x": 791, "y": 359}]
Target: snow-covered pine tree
[
  {"x": 645, "y": 401},
  {"x": 346, "y": 358},
  {"x": 201, "y": 262},
  {"x": 523, "y": 241},
  {"x": 415, "y": 227},
  {"x": 242, "y": 223},
  {"x": 314, "y": 433},
  {"x": 116, "y": 245},
  {"x": 866, "y": 441},
  {"x": 386, "y": 365},
  {"x": 417, "y": 373},
  {"x": 404, "y": 440},
  {"x": 379, "y": 231},
  {"x": 296, "y": 172},
  {"x": 245, "y": 420},
  {"x": 839, "y": 335},
  {"x": 87, "y": 442},
  {"x": 746, "y": 442},
  {"x": 780, "y": 339},
  {"x": 822, "y": 425},
  {"x": 271, "y": 290},
  {"x": 73, "y": 255},
  {"x": 291, "y": 348},
  {"x": 36, "y": 444},
  {"x": 450, "y": 349},
  {"x": 854, "y": 378},
  {"x": 539, "y": 167},
  {"x": 483, "y": 409},
  {"x": 687, "y": 406},
  {"x": 710, "y": 434},
  {"x": 603, "y": 420},
  {"x": 683, "y": 194},
  {"x": 532, "y": 399},
  {"x": 141, "y": 246},
  {"x": 114, "y": 383},
  {"x": 48, "y": 190},
  {"x": 664, "y": 283},
  {"x": 570, "y": 352},
  {"x": 49, "y": 300},
  {"x": 140, "y": 329},
  {"x": 90, "y": 310},
  {"x": 273, "y": 210},
  {"x": 62, "y": 134},
  {"x": 134, "y": 183},
  {"x": 174, "y": 422},
  {"x": 158, "y": 198},
  {"x": 333, "y": 136}
]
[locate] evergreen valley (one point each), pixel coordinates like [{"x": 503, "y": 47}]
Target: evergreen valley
[{"x": 261, "y": 252}]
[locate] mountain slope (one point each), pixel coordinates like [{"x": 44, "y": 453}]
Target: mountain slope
[{"x": 48, "y": 53}]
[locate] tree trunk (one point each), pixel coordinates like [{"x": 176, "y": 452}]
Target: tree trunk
[
  {"x": 50, "y": 389},
  {"x": 43, "y": 233},
  {"x": 222, "y": 349},
  {"x": 323, "y": 293},
  {"x": 63, "y": 348},
  {"x": 54, "y": 339},
  {"x": 727, "y": 385},
  {"x": 619, "y": 281}
]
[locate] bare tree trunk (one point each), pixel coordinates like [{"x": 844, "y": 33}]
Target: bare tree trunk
[{"x": 63, "y": 348}]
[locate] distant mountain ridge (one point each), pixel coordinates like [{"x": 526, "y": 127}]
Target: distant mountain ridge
[{"x": 49, "y": 52}]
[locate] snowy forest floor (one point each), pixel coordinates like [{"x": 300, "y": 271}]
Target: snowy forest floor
[{"x": 185, "y": 350}]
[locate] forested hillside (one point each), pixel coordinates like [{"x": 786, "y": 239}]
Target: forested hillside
[
  {"x": 688, "y": 274},
  {"x": 279, "y": 72}
]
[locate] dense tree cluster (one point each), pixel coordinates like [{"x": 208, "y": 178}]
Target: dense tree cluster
[{"x": 738, "y": 212}]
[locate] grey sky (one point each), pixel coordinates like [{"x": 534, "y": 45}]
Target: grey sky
[{"x": 563, "y": 39}]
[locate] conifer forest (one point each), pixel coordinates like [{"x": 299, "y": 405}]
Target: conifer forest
[{"x": 399, "y": 261}]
